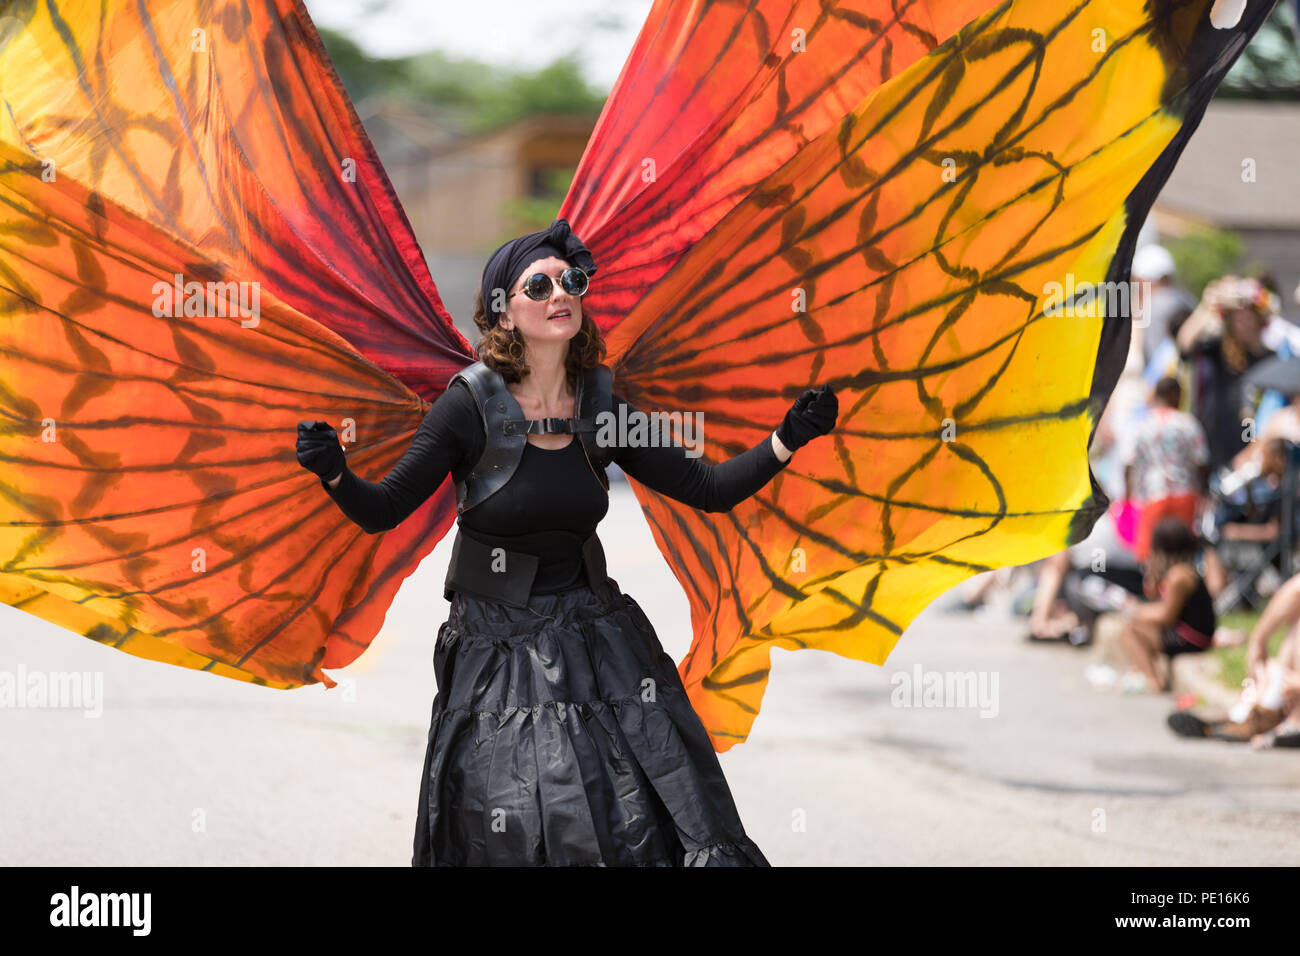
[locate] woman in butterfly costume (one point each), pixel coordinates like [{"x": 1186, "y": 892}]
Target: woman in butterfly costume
[
  {"x": 880, "y": 196},
  {"x": 561, "y": 732}
]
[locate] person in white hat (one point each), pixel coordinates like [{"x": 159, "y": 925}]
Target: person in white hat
[{"x": 1162, "y": 302}]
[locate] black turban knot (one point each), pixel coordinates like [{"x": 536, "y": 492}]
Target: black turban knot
[{"x": 507, "y": 262}]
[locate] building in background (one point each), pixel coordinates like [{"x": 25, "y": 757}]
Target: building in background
[
  {"x": 1241, "y": 171},
  {"x": 460, "y": 191}
]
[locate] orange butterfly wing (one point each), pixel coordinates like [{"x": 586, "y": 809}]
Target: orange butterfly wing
[
  {"x": 912, "y": 254},
  {"x": 152, "y": 497},
  {"x": 714, "y": 98}
]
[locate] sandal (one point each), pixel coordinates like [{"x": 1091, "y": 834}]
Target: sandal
[{"x": 1186, "y": 724}]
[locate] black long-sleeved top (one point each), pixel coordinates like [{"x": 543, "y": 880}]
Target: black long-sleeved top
[{"x": 553, "y": 501}]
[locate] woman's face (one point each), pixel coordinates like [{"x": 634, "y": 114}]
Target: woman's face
[
  {"x": 556, "y": 319},
  {"x": 1246, "y": 326}
]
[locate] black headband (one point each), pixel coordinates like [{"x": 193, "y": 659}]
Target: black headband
[{"x": 507, "y": 262}]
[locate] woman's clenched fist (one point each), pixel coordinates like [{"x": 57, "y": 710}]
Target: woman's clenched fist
[
  {"x": 813, "y": 413},
  {"x": 319, "y": 450}
]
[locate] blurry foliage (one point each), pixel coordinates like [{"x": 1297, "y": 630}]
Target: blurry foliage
[
  {"x": 1232, "y": 660},
  {"x": 1205, "y": 254},
  {"x": 1269, "y": 67},
  {"x": 479, "y": 95},
  {"x": 486, "y": 96}
]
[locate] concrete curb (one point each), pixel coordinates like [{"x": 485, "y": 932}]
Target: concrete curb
[
  {"x": 1196, "y": 674},
  {"x": 1199, "y": 674}
]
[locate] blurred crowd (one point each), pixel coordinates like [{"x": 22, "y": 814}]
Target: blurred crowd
[{"x": 1197, "y": 451}]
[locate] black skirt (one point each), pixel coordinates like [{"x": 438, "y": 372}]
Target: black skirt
[{"x": 562, "y": 736}]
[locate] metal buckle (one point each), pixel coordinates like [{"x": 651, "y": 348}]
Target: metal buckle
[{"x": 548, "y": 426}]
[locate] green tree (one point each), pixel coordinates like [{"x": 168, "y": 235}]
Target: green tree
[
  {"x": 1204, "y": 255},
  {"x": 479, "y": 95},
  {"x": 1269, "y": 67}
]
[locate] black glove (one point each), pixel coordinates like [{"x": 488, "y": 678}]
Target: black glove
[
  {"x": 319, "y": 450},
  {"x": 813, "y": 413}
]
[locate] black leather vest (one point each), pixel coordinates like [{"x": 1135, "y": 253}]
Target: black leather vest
[{"x": 507, "y": 429}]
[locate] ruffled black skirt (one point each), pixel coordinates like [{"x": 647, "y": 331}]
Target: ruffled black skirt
[{"x": 562, "y": 736}]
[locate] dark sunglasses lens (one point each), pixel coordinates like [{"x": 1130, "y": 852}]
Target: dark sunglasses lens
[
  {"x": 574, "y": 281},
  {"x": 538, "y": 287}
]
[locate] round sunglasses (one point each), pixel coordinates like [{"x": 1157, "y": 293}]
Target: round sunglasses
[{"x": 539, "y": 285}]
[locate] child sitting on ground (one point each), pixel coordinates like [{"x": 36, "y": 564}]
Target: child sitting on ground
[{"x": 1180, "y": 617}]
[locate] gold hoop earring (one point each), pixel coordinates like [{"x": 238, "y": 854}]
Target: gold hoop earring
[{"x": 515, "y": 343}]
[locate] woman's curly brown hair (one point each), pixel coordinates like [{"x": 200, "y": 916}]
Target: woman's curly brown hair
[{"x": 503, "y": 350}]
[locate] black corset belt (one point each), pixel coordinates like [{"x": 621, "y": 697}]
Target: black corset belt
[{"x": 498, "y": 574}]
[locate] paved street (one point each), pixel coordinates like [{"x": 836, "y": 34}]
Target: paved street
[{"x": 186, "y": 768}]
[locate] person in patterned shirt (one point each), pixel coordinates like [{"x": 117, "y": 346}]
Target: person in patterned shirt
[{"x": 1168, "y": 466}]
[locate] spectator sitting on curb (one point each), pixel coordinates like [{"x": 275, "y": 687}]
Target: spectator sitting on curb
[
  {"x": 1182, "y": 619},
  {"x": 1273, "y": 717}
]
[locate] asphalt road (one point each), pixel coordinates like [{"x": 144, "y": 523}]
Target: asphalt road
[{"x": 185, "y": 768}]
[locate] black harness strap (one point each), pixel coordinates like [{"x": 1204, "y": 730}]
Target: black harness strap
[{"x": 548, "y": 426}]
